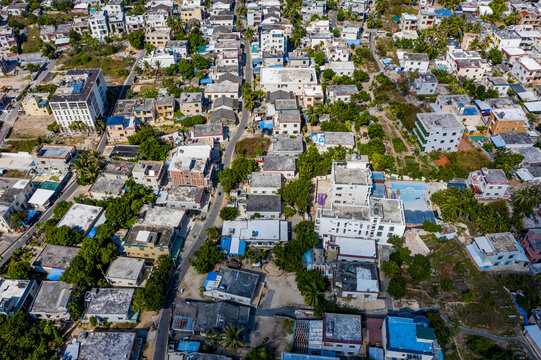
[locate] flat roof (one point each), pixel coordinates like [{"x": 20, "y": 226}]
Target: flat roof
[
  {"x": 279, "y": 163},
  {"x": 510, "y": 113},
  {"x": 56, "y": 256},
  {"x": 126, "y": 268},
  {"x": 106, "y": 345},
  {"x": 237, "y": 282},
  {"x": 263, "y": 203},
  {"x": 261, "y": 179},
  {"x": 141, "y": 235},
  {"x": 339, "y": 138},
  {"x": 188, "y": 194},
  {"x": 119, "y": 167},
  {"x": 160, "y": 216},
  {"x": 355, "y": 247},
  {"x": 12, "y": 288},
  {"x": 287, "y": 75},
  {"x": 54, "y": 151},
  {"x": 202, "y": 130},
  {"x": 342, "y": 328},
  {"x": 125, "y": 151},
  {"x": 529, "y": 63},
  {"x": 416, "y": 57},
  {"x": 112, "y": 187},
  {"x": 439, "y": 121},
  {"x": 81, "y": 216},
  {"x": 357, "y": 276},
  {"x": 52, "y": 298},
  {"x": 345, "y": 174},
  {"x": 109, "y": 301},
  {"x": 497, "y": 243},
  {"x": 287, "y": 144},
  {"x": 76, "y": 85},
  {"x": 256, "y": 230},
  {"x": 403, "y": 336}
]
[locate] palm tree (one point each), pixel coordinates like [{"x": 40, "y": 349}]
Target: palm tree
[
  {"x": 146, "y": 67},
  {"x": 158, "y": 69},
  {"x": 513, "y": 18},
  {"x": 97, "y": 157},
  {"x": 451, "y": 210},
  {"x": 371, "y": 22},
  {"x": 249, "y": 34},
  {"x": 475, "y": 44},
  {"x": 241, "y": 10},
  {"x": 232, "y": 339},
  {"x": 313, "y": 295}
]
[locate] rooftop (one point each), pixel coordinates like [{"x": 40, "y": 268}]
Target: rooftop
[
  {"x": 81, "y": 217},
  {"x": 202, "y": 130},
  {"x": 124, "y": 108},
  {"x": 149, "y": 168},
  {"x": 285, "y": 104},
  {"x": 279, "y": 163},
  {"x": 126, "y": 268},
  {"x": 492, "y": 244},
  {"x": 529, "y": 63},
  {"x": 390, "y": 210},
  {"x": 287, "y": 144},
  {"x": 56, "y": 256},
  {"x": 188, "y": 194},
  {"x": 416, "y": 57},
  {"x": 76, "y": 85},
  {"x": 201, "y": 316},
  {"x": 264, "y": 180},
  {"x": 125, "y": 151},
  {"x": 11, "y": 288},
  {"x": 52, "y": 298},
  {"x": 280, "y": 75},
  {"x": 510, "y": 113},
  {"x": 439, "y": 121},
  {"x": 9, "y": 189},
  {"x": 495, "y": 176},
  {"x": 159, "y": 216},
  {"x": 143, "y": 235},
  {"x": 226, "y": 102},
  {"x": 344, "y": 173},
  {"x": 109, "y": 301},
  {"x": 263, "y": 203},
  {"x": 237, "y": 282},
  {"x": 342, "y": 328},
  {"x": 106, "y": 345},
  {"x": 112, "y": 187},
  {"x": 190, "y": 98},
  {"x": 116, "y": 167},
  {"x": 531, "y": 154},
  {"x": 339, "y": 138},
  {"x": 54, "y": 151},
  {"x": 256, "y": 230},
  {"x": 357, "y": 276},
  {"x": 342, "y": 89},
  {"x": 289, "y": 116},
  {"x": 403, "y": 335}
]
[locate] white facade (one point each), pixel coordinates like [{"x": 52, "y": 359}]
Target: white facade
[
  {"x": 438, "y": 131},
  {"x": 98, "y": 23},
  {"x": 489, "y": 183},
  {"x": 273, "y": 40},
  {"x": 69, "y": 105},
  {"x": 415, "y": 62},
  {"x": 526, "y": 70}
]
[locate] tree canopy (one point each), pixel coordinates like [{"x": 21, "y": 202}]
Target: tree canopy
[
  {"x": 298, "y": 193},
  {"x": 151, "y": 297},
  {"x": 288, "y": 257},
  {"x": 206, "y": 257}
]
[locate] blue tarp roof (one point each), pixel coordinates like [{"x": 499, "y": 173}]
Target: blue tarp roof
[
  {"x": 417, "y": 217},
  {"x": 469, "y": 111},
  {"x": 241, "y": 249},
  {"x": 308, "y": 258},
  {"x": 378, "y": 191},
  {"x": 115, "y": 120},
  {"x": 375, "y": 353},
  {"x": 189, "y": 346},
  {"x": 402, "y": 336},
  {"x": 92, "y": 233},
  {"x": 206, "y": 81},
  {"x": 497, "y": 141},
  {"x": 457, "y": 185},
  {"x": 211, "y": 276},
  {"x": 225, "y": 244},
  {"x": 55, "y": 274},
  {"x": 443, "y": 12},
  {"x": 265, "y": 124}
]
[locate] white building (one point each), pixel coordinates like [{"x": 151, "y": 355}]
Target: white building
[
  {"x": 438, "y": 131},
  {"x": 489, "y": 183},
  {"x": 415, "y": 62},
  {"x": 99, "y": 24},
  {"x": 51, "y": 301},
  {"x": 342, "y": 68},
  {"x": 273, "y": 38},
  {"x": 7, "y": 37},
  {"x": 110, "y": 303},
  {"x": 257, "y": 232},
  {"x": 265, "y": 183},
  {"x": 526, "y": 70},
  {"x": 164, "y": 57},
  {"x": 287, "y": 79},
  {"x": 230, "y": 284},
  {"x": 351, "y": 183},
  {"x": 125, "y": 272},
  {"x": 80, "y": 97},
  {"x": 14, "y": 196},
  {"x": 494, "y": 251}
]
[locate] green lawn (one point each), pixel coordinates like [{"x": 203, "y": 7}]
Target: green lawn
[{"x": 31, "y": 45}]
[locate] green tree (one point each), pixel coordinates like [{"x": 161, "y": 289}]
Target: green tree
[
  {"x": 137, "y": 39},
  {"x": 376, "y": 131},
  {"x": 298, "y": 193},
  {"x": 232, "y": 338},
  {"x": 19, "y": 270},
  {"x": 151, "y": 297},
  {"x": 319, "y": 58},
  {"x": 312, "y": 286},
  {"x": 48, "y": 51},
  {"x": 62, "y": 5},
  {"x": 61, "y": 208},
  {"x": 507, "y": 161},
  {"x": 17, "y": 219},
  {"x": 261, "y": 353},
  {"x": 419, "y": 269},
  {"x": 288, "y": 257},
  {"x": 397, "y": 287},
  {"x": 206, "y": 257},
  {"x": 229, "y": 213},
  {"x": 63, "y": 235},
  {"x": 213, "y": 233},
  {"x": 93, "y": 321}
]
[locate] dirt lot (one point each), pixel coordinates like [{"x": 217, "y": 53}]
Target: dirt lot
[
  {"x": 281, "y": 287},
  {"x": 82, "y": 142},
  {"x": 414, "y": 243},
  {"x": 363, "y": 304},
  {"x": 29, "y": 127},
  {"x": 272, "y": 328}
]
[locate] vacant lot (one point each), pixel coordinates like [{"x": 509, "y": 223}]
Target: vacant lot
[
  {"x": 30, "y": 127},
  {"x": 31, "y": 45},
  {"x": 251, "y": 147}
]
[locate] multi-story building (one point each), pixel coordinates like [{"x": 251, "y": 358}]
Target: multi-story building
[
  {"x": 233, "y": 285},
  {"x": 531, "y": 243},
  {"x": 287, "y": 122},
  {"x": 165, "y": 106},
  {"x": 149, "y": 241},
  {"x": 273, "y": 38},
  {"x": 14, "y": 196},
  {"x": 409, "y": 338},
  {"x": 287, "y": 79},
  {"x": 158, "y": 38},
  {"x": 355, "y": 279},
  {"x": 53, "y": 158},
  {"x": 340, "y": 92},
  {"x": 507, "y": 119},
  {"x": 125, "y": 272},
  {"x": 36, "y": 104},
  {"x": 80, "y": 98},
  {"x": 99, "y": 24},
  {"x": 51, "y": 301},
  {"x": 489, "y": 183},
  {"x": 505, "y": 39},
  {"x": 16, "y": 295},
  {"x": 425, "y": 84},
  {"x": 351, "y": 183},
  {"x": 7, "y": 37},
  {"x": 190, "y": 165},
  {"x": 313, "y": 95},
  {"x": 144, "y": 110},
  {"x": 112, "y": 304},
  {"x": 119, "y": 128},
  {"x": 408, "y": 22},
  {"x": 188, "y": 14},
  {"x": 149, "y": 173},
  {"x": 415, "y": 62},
  {"x": 438, "y": 131},
  {"x": 135, "y": 23},
  {"x": 47, "y": 33},
  {"x": 191, "y": 103},
  {"x": 498, "y": 83},
  {"x": 426, "y": 19},
  {"x": 494, "y": 251},
  {"x": 526, "y": 70}
]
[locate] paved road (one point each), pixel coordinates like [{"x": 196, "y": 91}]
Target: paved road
[
  {"x": 129, "y": 80},
  {"x": 162, "y": 332}
]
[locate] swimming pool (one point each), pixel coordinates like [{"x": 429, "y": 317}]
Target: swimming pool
[{"x": 413, "y": 195}]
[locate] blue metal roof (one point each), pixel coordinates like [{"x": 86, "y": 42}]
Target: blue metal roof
[
  {"x": 241, "y": 250},
  {"x": 55, "y": 274},
  {"x": 470, "y": 111},
  {"x": 225, "y": 244},
  {"x": 189, "y": 346},
  {"x": 378, "y": 175},
  {"x": 115, "y": 120},
  {"x": 443, "y": 12},
  {"x": 402, "y": 336},
  {"x": 497, "y": 141}
]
